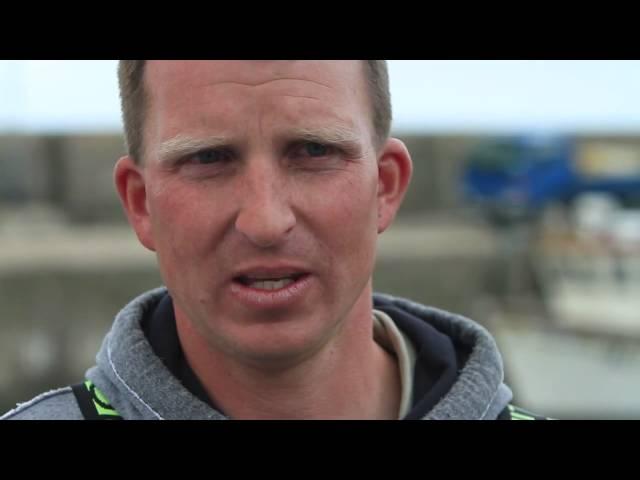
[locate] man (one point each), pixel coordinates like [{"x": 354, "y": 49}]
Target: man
[{"x": 262, "y": 187}]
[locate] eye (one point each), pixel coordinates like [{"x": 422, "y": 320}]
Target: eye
[
  {"x": 316, "y": 155},
  {"x": 210, "y": 156},
  {"x": 314, "y": 149}
]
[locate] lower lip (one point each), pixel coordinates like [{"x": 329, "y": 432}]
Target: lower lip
[{"x": 281, "y": 297}]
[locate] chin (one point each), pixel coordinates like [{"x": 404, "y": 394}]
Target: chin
[{"x": 273, "y": 346}]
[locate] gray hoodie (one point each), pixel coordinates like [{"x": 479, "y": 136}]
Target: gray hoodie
[{"x": 139, "y": 385}]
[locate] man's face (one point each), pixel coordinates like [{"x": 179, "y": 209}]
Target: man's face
[{"x": 261, "y": 193}]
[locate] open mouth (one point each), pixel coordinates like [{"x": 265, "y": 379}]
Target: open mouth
[{"x": 268, "y": 284}]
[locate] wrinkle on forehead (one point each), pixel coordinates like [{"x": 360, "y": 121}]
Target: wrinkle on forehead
[
  {"x": 258, "y": 84},
  {"x": 299, "y": 96}
]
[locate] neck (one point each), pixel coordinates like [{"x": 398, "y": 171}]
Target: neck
[{"x": 349, "y": 377}]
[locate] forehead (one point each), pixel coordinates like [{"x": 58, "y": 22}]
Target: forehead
[
  {"x": 184, "y": 87},
  {"x": 338, "y": 75}
]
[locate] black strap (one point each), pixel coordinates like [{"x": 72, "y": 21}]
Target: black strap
[{"x": 92, "y": 406}]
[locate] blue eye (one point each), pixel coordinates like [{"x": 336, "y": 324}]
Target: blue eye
[
  {"x": 211, "y": 156},
  {"x": 314, "y": 149}
]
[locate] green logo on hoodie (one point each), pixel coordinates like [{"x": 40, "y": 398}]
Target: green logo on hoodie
[{"x": 100, "y": 402}]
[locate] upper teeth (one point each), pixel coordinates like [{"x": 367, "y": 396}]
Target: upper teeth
[{"x": 270, "y": 284}]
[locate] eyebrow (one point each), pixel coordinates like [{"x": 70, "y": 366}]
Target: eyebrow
[
  {"x": 336, "y": 135},
  {"x": 182, "y": 145}
]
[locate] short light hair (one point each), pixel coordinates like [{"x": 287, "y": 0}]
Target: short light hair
[{"x": 134, "y": 100}]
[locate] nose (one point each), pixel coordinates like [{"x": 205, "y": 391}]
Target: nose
[{"x": 265, "y": 217}]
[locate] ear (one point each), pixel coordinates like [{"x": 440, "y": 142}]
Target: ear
[
  {"x": 130, "y": 183},
  {"x": 394, "y": 174}
]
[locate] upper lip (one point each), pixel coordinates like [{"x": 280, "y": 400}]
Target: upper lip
[{"x": 263, "y": 272}]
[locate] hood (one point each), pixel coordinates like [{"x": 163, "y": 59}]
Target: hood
[
  {"x": 479, "y": 392},
  {"x": 139, "y": 385}
]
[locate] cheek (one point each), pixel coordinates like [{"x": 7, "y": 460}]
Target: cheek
[
  {"x": 355, "y": 202},
  {"x": 178, "y": 219},
  {"x": 353, "y": 241},
  {"x": 349, "y": 210}
]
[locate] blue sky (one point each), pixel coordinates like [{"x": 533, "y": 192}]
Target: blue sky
[{"x": 428, "y": 96}]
